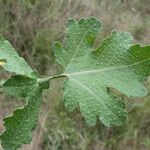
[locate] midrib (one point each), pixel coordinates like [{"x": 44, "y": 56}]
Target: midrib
[
  {"x": 77, "y": 49},
  {"x": 105, "y": 69}
]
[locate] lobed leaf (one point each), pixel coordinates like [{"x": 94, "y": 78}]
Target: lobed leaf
[
  {"x": 116, "y": 63},
  {"x": 19, "y": 126}
]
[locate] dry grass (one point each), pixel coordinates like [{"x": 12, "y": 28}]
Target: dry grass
[{"x": 32, "y": 26}]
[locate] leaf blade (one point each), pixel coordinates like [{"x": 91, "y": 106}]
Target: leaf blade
[
  {"x": 83, "y": 34},
  {"x": 10, "y": 60},
  {"x": 20, "y": 86},
  {"x": 19, "y": 126},
  {"x": 93, "y": 71}
]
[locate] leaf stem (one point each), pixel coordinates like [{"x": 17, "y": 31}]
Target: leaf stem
[{"x": 48, "y": 78}]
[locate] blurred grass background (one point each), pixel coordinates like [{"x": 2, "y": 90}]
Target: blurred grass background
[{"x": 32, "y": 26}]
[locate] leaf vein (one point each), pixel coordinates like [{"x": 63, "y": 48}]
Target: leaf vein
[
  {"x": 88, "y": 89},
  {"x": 106, "y": 69}
]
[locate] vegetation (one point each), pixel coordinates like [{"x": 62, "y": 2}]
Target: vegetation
[{"x": 70, "y": 134}]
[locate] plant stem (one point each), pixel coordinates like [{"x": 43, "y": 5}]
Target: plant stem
[{"x": 51, "y": 77}]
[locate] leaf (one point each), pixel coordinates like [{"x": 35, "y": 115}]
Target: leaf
[
  {"x": 19, "y": 126},
  {"x": 20, "y": 86},
  {"x": 140, "y": 57},
  {"x": 90, "y": 72},
  {"x": 10, "y": 60}
]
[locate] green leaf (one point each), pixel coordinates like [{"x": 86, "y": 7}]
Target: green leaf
[
  {"x": 20, "y": 86},
  {"x": 10, "y": 60},
  {"x": 19, "y": 126},
  {"x": 90, "y": 72},
  {"x": 140, "y": 57}
]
